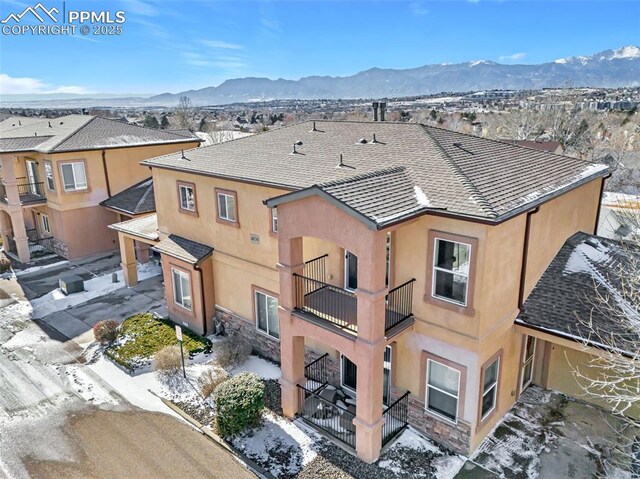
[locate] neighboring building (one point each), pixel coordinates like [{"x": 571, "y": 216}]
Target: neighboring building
[
  {"x": 392, "y": 259},
  {"x": 55, "y": 173},
  {"x": 619, "y": 216},
  {"x": 548, "y": 146}
]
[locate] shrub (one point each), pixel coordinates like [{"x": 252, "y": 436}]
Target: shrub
[
  {"x": 232, "y": 351},
  {"x": 210, "y": 379},
  {"x": 5, "y": 264},
  {"x": 238, "y": 403},
  {"x": 168, "y": 360},
  {"x": 106, "y": 331}
]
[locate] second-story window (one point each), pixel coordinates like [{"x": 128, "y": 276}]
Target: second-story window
[
  {"x": 451, "y": 271},
  {"x": 274, "y": 220},
  {"x": 227, "y": 207},
  {"x": 187, "y": 197},
  {"x": 74, "y": 177},
  {"x": 46, "y": 227},
  {"x": 48, "y": 172}
]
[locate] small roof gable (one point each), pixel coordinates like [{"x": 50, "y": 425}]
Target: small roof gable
[
  {"x": 183, "y": 249},
  {"x": 135, "y": 200},
  {"x": 144, "y": 226},
  {"x": 582, "y": 291}
]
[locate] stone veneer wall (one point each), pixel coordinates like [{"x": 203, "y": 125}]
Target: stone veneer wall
[
  {"x": 263, "y": 344},
  {"x": 60, "y": 247},
  {"x": 456, "y": 437}
]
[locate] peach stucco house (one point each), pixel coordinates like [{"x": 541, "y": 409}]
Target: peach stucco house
[
  {"x": 55, "y": 173},
  {"x": 385, "y": 266}
]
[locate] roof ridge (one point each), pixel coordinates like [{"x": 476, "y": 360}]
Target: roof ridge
[
  {"x": 143, "y": 127},
  {"x": 145, "y": 194},
  {"x": 464, "y": 179},
  {"x": 362, "y": 176},
  {"x": 74, "y": 132}
]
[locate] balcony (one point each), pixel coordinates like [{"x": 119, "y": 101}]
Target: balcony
[
  {"x": 29, "y": 193},
  {"x": 337, "y": 308}
]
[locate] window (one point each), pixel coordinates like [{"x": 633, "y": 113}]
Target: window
[
  {"x": 74, "y": 177},
  {"x": 443, "y": 387},
  {"x": 274, "y": 220},
  {"x": 227, "y": 207},
  {"x": 490, "y": 388},
  {"x": 267, "y": 314},
  {"x": 181, "y": 288},
  {"x": 528, "y": 356},
  {"x": 45, "y": 224},
  {"x": 451, "y": 271},
  {"x": 187, "y": 198},
  {"x": 48, "y": 172}
]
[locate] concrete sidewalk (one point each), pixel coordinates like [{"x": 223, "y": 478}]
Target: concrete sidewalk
[{"x": 76, "y": 322}]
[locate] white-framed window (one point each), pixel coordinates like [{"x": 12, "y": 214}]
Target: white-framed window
[
  {"x": 181, "y": 288},
  {"x": 443, "y": 390},
  {"x": 46, "y": 227},
  {"x": 74, "y": 176},
  {"x": 490, "y": 388},
  {"x": 187, "y": 198},
  {"x": 226, "y": 207},
  {"x": 48, "y": 173},
  {"x": 267, "y": 314},
  {"x": 528, "y": 357},
  {"x": 451, "y": 262},
  {"x": 274, "y": 220}
]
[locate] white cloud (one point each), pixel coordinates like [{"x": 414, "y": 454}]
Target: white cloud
[
  {"x": 222, "y": 45},
  {"x": 418, "y": 8},
  {"x": 32, "y": 86},
  {"x": 512, "y": 58}
]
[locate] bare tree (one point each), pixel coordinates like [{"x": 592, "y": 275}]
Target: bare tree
[
  {"x": 612, "y": 376},
  {"x": 184, "y": 112}
]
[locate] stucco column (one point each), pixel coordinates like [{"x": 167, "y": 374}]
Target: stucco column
[
  {"x": 370, "y": 345},
  {"x": 291, "y": 347},
  {"x": 128, "y": 260},
  {"x": 14, "y": 208},
  {"x": 142, "y": 252}
]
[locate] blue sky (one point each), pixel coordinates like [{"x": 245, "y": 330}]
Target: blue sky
[{"x": 172, "y": 46}]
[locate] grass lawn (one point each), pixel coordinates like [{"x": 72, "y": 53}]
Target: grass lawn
[{"x": 142, "y": 335}]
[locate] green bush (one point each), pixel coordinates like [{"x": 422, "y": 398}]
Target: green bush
[
  {"x": 239, "y": 402},
  {"x": 106, "y": 331}
]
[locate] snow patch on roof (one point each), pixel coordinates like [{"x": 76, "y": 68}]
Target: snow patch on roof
[{"x": 421, "y": 197}]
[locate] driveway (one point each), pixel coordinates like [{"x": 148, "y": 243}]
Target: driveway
[
  {"x": 547, "y": 435},
  {"x": 76, "y": 322}
]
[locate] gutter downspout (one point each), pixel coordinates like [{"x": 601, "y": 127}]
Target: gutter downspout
[
  {"x": 604, "y": 178},
  {"x": 525, "y": 256},
  {"x": 204, "y": 305},
  {"x": 106, "y": 172}
]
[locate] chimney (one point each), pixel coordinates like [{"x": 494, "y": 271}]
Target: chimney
[
  {"x": 383, "y": 109},
  {"x": 375, "y": 110}
]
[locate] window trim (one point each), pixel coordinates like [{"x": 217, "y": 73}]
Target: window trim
[
  {"x": 221, "y": 191},
  {"x": 457, "y": 397},
  {"x": 467, "y": 308},
  {"x": 521, "y": 385},
  {"x": 274, "y": 220},
  {"x": 483, "y": 419},
  {"x": 46, "y": 224},
  {"x": 462, "y": 385},
  {"x": 186, "y": 184},
  {"x": 53, "y": 177},
  {"x": 254, "y": 290},
  {"x": 181, "y": 273},
  {"x": 86, "y": 189},
  {"x": 451, "y": 272}
]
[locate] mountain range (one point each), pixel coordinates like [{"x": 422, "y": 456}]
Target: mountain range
[{"x": 607, "y": 69}]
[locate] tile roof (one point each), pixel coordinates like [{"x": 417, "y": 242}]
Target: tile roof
[
  {"x": 80, "y": 132},
  {"x": 564, "y": 300},
  {"x": 143, "y": 226},
  {"x": 458, "y": 173},
  {"x": 22, "y": 144},
  {"x": 183, "y": 249},
  {"x": 135, "y": 200}
]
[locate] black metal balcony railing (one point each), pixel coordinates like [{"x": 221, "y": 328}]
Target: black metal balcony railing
[
  {"x": 28, "y": 192},
  {"x": 317, "y": 371},
  {"x": 330, "y": 418},
  {"x": 325, "y": 301},
  {"x": 316, "y": 268},
  {"x": 396, "y": 418},
  {"x": 399, "y": 304}
]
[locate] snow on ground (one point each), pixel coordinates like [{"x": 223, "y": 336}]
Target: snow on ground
[
  {"x": 261, "y": 367},
  {"x": 56, "y": 300},
  {"x": 278, "y": 444},
  {"x": 34, "y": 269}
]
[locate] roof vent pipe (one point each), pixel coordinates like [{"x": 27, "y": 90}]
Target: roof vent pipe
[
  {"x": 374, "y": 139},
  {"x": 340, "y": 164},
  {"x": 50, "y": 125},
  {"x": 314, "y": 127},
  {"x": 375, "y": 110},
  {"x": 184, "y": 157},
  {"x": 19, "y": 123},
  {"x": 383, "y": 109}
]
